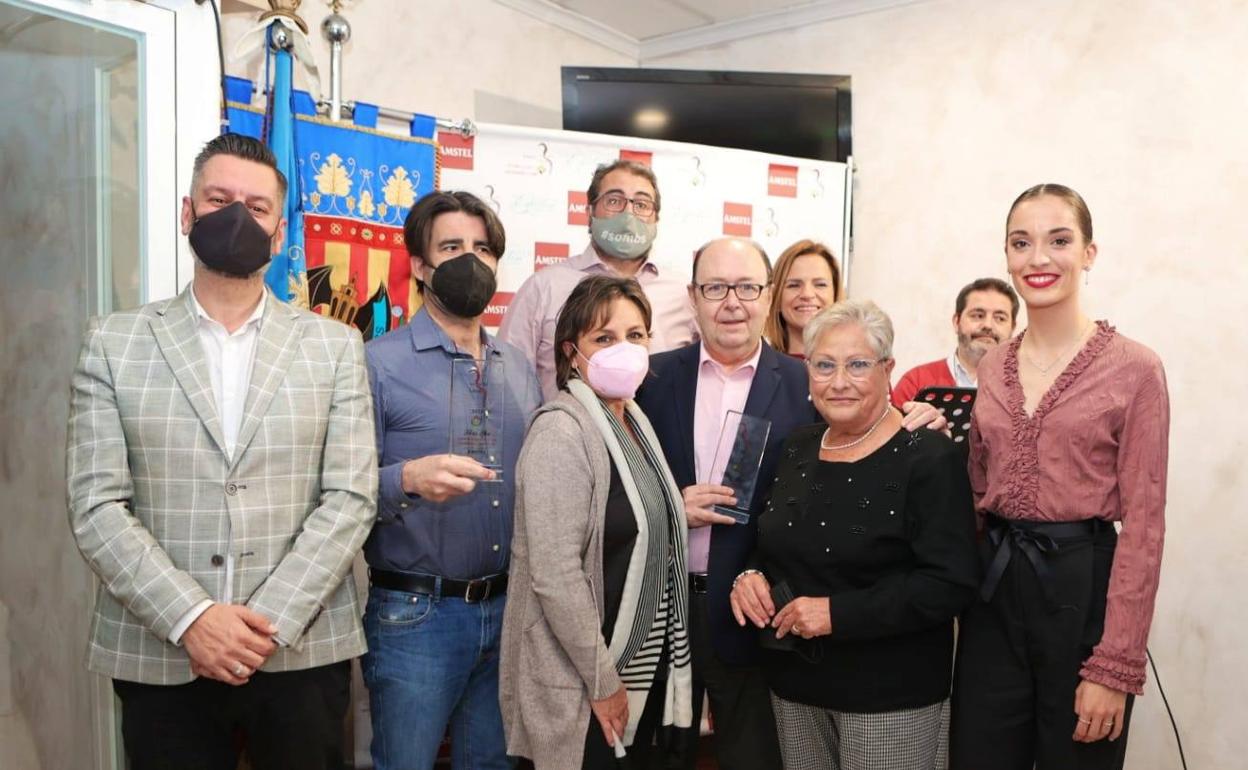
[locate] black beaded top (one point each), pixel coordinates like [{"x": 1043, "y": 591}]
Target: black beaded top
[{"x": 890, "y": 541}]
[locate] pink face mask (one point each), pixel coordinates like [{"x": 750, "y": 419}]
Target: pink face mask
[{"x": 617, "y": 371}]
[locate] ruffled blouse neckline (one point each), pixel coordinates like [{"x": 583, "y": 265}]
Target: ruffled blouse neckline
[{"x": 1018, "y": 400}]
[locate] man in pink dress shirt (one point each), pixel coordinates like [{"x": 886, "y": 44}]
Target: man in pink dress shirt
[
  {"x": 687, "y": 397},
  {"x": 624, "y": 217}
]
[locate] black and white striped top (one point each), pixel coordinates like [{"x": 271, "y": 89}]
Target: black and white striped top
[{"x": 655, "y": 626}]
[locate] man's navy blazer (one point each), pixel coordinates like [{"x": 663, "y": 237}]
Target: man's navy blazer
[{"x": 779, "y": 393}]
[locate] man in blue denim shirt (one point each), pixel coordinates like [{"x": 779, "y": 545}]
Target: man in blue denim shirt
[{"x": 438, "y": 554}]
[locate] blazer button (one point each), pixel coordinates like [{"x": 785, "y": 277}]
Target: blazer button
[
  {"x": 231, "y": 488},
  {"x": 217, "y": 560}
]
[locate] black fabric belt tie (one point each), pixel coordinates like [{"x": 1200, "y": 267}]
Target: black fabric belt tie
[
  {"x": 698, "y": 582},
  {"x": 471, "y": 591},
  {"x": 1038, "y": 541}
]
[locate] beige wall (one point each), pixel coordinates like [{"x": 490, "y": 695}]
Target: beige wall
[
  {"x": 450, "y": 58},
  {"x": 1142, "y": 106}
]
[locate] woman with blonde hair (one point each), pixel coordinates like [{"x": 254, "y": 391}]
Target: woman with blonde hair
[{"x": 807, "y": 279}]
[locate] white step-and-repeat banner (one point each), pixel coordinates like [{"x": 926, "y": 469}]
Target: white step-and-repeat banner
[{"x": 536, "y": 180}]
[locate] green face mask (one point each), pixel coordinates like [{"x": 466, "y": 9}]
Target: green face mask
[{"x": 623, "y": 235}]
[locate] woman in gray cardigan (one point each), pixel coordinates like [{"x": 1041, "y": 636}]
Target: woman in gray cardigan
[{"x": 594, "y": 651}]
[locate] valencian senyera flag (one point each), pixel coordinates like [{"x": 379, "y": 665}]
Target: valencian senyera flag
[{"x": 351, "y": 186}]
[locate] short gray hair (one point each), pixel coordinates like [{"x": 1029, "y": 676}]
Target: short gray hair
[{"x": 875, "y": 324}]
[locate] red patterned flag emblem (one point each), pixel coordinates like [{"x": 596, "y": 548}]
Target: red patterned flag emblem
[{"x": 360, "y": 273}]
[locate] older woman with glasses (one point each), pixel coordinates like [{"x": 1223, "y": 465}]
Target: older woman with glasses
[{"x": 866, "y": 552}]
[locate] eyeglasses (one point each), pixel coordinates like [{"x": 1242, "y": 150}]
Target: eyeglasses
[
  {"x": 746, "y": 292},
  {"x": 856, "y": 369},
  {"x": 615, "y": 202}
]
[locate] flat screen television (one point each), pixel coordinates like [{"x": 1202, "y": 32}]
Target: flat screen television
[{"x": 806, "y": 116}]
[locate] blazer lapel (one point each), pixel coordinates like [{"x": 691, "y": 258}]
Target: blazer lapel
[
  {"x": 685, "y": 395},
  {"x": 275, "y": 349},
  {"x": 766, "y": 382},
  {"x": 177, "y": 333}
]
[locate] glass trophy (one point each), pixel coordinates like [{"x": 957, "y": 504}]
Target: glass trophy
[
  {"x": 477, "y": 401},
  {"x": 738, "y": 456}
]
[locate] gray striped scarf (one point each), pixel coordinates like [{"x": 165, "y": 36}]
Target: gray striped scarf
[{"x": 655, "y": 604}]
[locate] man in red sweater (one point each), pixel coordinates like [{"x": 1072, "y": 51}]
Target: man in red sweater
[{"x": 984, "y": 315}]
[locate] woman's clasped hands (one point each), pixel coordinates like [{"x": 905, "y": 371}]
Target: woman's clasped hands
[{"x": 805, "y": 616}]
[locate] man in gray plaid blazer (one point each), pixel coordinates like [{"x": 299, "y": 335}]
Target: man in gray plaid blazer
[{"x": 222, "y": 476}]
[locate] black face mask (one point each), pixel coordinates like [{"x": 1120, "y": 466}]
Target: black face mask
[
  {"x": 231, "y": 241},
  {"x": 464, "y": 285}
]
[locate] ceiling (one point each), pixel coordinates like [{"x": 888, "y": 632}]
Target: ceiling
[
  {"x": 642, "y": 19},
  {"x": 648, "y": 29},
  {"x": 651, "y": 28}
]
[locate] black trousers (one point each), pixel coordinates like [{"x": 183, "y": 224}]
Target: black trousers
[
  {"x": 745, "y": 727},
  {"x": 288, "y": 720},
  {"x": 1018, "y": 663}
]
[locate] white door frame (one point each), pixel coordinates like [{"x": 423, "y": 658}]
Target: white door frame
[
  {"x": 198, "y": 105},
  {"x": 179, "y": 105},
  {"x": 179, "y": 86}
]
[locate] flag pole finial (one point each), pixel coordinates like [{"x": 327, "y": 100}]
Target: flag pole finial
[{"x": 287, "y": 9}]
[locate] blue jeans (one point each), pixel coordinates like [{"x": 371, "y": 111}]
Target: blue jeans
[{"x": 433, "y": 662}]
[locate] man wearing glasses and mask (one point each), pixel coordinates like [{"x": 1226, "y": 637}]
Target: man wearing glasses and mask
[
  {"x": 438, "y": 556},
  {"x": 624, "y": 217}
]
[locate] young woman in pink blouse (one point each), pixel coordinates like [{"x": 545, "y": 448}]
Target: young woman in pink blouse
[{"x": 1068, "y": 436}]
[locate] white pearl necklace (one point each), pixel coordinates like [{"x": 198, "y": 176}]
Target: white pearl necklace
[{"x": 837, "y": 447}]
